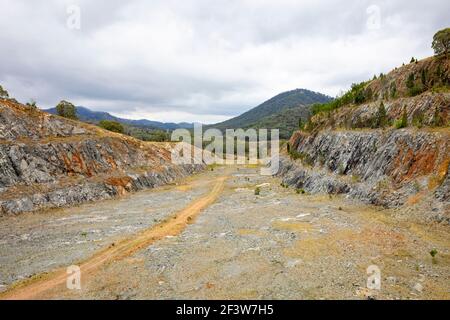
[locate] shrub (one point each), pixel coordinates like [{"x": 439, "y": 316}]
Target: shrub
[
  {"x": 403, "y": 121},
  {"x": 310, "y": 125},
  {"x": 441, "y": 41},
  {"x": 304, "y": 157},
  {"x": 357, "y": 94},
  {"x": 393, "y": 90},
  {"x": 257, "y": 191},
  {"x": 300, "y": 191},
  {"x": 32, "y": 104},
  {"x": 415, "y": 90},
  {"x": 410, "y": 81},
  {"x": 67, "y": 110},
  {"x": 113, "y": 126},
  {"x": 381, "y": 118},
  {"x": 437, "y": 118},
  {"x": 418, "y": 120},
  {"x": 433, "y": 254},
  {"x": 423, "y": 77},
  {"x": 3, "y": 93}
]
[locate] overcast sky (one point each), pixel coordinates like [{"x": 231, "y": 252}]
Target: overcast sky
[{"x": 204, "y": 60}]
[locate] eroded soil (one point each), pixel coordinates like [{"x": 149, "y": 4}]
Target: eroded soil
[{"x": 211, "y": 237}]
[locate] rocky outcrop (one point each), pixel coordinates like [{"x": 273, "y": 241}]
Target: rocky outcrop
[
  {"x": 351, "y": 146},
  {"x": 382, "y": 167},
  {"x": 47, "y": 161},
  {"x": 421, "y": 111}
]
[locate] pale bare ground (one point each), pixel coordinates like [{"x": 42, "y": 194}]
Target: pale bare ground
[
  {"x": 276, "y": 245},
  {"x": 37, "y": 286}
]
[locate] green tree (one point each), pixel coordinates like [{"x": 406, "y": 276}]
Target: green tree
[
  {"x": 441, "y": 41},
  {"x": 423, "y": 77},
  {"x": 410, "y": 81},
  {"x": 67, "y": 110},
  {"x": 113, "y": 126},
  {"x": 3, "y": 93},
  {"x": 382, "y": 118},
  {"x": 393, "y": 90}
]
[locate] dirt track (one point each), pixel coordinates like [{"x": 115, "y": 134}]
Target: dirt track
[
  {"x": 35, "y": 287},
  {"x": 276, "y": 245}
]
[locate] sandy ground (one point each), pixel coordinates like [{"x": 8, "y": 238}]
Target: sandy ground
[{"x": 211, "y": 237}]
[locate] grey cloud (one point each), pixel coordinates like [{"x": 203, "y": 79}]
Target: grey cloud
[{"x": 208, "y": 58}]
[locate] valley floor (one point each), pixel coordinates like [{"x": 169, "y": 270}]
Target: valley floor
[{"x": 211, "y": 237}]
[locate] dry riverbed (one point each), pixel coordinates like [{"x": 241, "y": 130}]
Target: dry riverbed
[{"x": 218, "y": 239}]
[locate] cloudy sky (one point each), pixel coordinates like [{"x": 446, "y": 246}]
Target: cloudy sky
[{"x": 203, "y": 60}]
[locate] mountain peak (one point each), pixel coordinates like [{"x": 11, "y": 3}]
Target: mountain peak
[{"x": 282, "y": 111}]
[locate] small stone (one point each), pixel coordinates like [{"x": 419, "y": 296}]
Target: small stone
[
  {"x": 418, "y": 287},
  {"x": 392, "y": 280}
]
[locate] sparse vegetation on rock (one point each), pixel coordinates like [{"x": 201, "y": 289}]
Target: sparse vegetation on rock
[{"x": 403, "y": 121}]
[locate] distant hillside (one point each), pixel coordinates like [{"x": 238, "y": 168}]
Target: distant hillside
[
  {"x": 87, "y": 115},
  {"x": 280, "y": 112}
]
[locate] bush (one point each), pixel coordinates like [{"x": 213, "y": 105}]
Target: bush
[
  {"x": 357, "y": 94},
  {"x": 410, "y": 81},
  {"x": 393, "y": 90},
  {"x": 437, "y": 118},
  {"x": 381, "y": 119},
  {"x": 113, "y": 126},
  {"x": 304, "y": 157},
  {"x": 413, "y": 88},
  {"x": 257, "y": 191},
  {"x": 67, "y": 110},
  {"x": 423, "y": 77},
  {"x": 32, "y": 104},
  {"x": 403, "y": 121},
  {"x": 3, "y": 93},
  {"x": 418, "y": 120}
]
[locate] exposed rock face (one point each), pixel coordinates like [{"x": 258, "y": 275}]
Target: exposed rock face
[
  {"x": 352, "y": 148},
  {"x": 379, "y": 167},
  {"x": 48, "y": 161}
]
